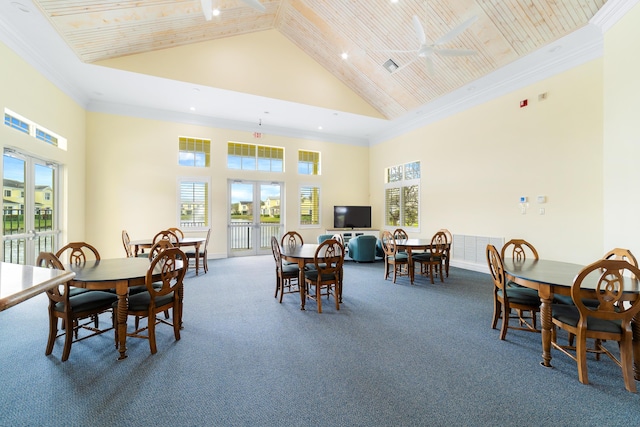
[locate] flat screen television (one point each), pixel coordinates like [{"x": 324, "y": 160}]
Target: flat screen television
[{"x": 352, "y": 217}]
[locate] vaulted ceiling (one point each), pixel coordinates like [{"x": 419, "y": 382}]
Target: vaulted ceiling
[{"x": 504, "y": 31}]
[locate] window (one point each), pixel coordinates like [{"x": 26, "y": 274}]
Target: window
[
  {"x": 7, "y": 193},
  {"x": 402, "y": 196},
  {"x": 194, "y": 152},
  {"x": 309, "y": 205},
  {"x": 194, "y": 203},
  {"x": 308, "y": 162},
  {"x": 19, "y": 123},
  {"x": 255, "y": 157}
]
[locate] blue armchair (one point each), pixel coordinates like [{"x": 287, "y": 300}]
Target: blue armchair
[{"x": 363, "y": 248}]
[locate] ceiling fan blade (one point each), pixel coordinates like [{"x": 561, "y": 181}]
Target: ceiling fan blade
[
  {"x": 456, "y": 31},
  {"x": 429, "y": 63},
  {"x": 405, "y": 65},
  {"x": 207, "y": 9},
  {"x": 417, "y": 28},
  {"x": 256, "y": 5},
  {"x": 455, "y": 52}
]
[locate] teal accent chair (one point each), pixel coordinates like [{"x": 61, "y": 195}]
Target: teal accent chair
[
  {"x": 323, "y": 237},
  {"x": 363, "y": 248}
]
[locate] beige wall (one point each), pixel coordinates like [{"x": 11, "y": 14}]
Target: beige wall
[
  {"x": 134, "y": 171},
  {"x": 622, "y": 133},
  {"x": 285, "y": 71},
  {"x": 29, "y": 94},
  {"x": 476, "y": 165}
]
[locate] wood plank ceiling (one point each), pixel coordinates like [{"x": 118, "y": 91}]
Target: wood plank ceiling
[{"x": 367, "y": 30}]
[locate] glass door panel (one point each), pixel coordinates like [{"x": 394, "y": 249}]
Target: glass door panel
[
  {"x": 28, "y": 207},
  {"x": 254, "y": 216}
]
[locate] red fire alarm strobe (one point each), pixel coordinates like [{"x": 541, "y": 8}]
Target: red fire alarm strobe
[{"x": 523, "y": 103}]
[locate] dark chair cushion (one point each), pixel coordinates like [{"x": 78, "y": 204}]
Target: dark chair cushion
[
  {"x": 313, "y": 275},
  {"x": 570, "y": 315},
  {"x": 141, "y": 301},
  {"x": 87, "y": 301},
  {"x": 567, "y": 300},
  {"x": 522, "y": 296}
]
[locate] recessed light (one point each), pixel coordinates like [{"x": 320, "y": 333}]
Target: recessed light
[
  {"x": 345, "y": 55},
  {"x": 394, "y": 1},
  {"x": 215, "y": 12},
  {"x": 319, "y": 127},
  {"x": 192, "y": 108}
]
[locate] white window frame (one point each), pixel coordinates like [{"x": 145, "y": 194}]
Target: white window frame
[
  {"x": 195, "y": 179},
  {"x": 402, "y": 184},
  {"x": 196, "y": 153},
  {"x": 319, "y": 171}
]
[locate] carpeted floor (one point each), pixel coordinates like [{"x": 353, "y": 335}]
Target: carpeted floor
[{"x": 393, "y": 355}]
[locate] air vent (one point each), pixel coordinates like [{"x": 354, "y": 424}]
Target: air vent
[{"x": 390, "y": 65}]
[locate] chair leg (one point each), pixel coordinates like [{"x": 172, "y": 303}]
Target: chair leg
[
  {"x": 581, "y": 359},
  {"x": 497, "y": 307},
  {"x": 53, "y": 332},
  {"x": 68, "y": 339},
  {"x": 151, "y": 325},
  {"x": 505, "y": 322},
  {"x": 319, "y": 297}
]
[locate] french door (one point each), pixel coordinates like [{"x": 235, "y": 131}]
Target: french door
[
  {"x": 29, "y": 207},
  {"x": 254, "y": 216}
]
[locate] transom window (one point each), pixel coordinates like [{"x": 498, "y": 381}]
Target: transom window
[
  {"x": 255, "y": 157},
  {"x": 308, "y": 162},
  {"x": 24, "y": 125},
  {"x": 402, "y": 196},
  {"x": 194, "y": 152}
]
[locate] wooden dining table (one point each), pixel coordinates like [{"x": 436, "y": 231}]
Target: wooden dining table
[
  {"x": 196, "y": 242},
  {"x": 119, "y": 274},
  {"x": 410, "y": 245},
  {"x": 20, "y": 282},
  {"x": 555, "y": 277}
]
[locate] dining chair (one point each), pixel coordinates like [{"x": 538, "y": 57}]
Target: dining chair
[
  {"x": 166, "y": 235},
  {"x": 610, "y": 320},
  {"x": 162, "y": 294},
  {"x": 202, "y": 253},
  {"x": 72, "y": 309},
  {"x": 287, "y": 275},
  {"x": 291, "y": 238},
  {"x": 325, "y": 278},
  {"x": 505, "y": 299},
  {"x": 79, "y": 253},
  {"x": 447, "y": 253},
  {"x": 126, "y": 242},
  {"x": 175, "y": 230},
  {"x": 518, "y": 249},
  {"x": 399, "y": 260},
  {"x": 432, "y": 260}
]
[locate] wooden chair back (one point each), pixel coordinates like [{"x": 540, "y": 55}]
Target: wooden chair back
[
  {"x": 126, "y": 242},
  {"x": 166, "y": 235},
  {"x": 292, "y": 238},
  {"x": 177, "y": 232},
  {"x": 158, "y": 247},
  {"x": 517, "y": 249},
  {"x": 400, "y": 234},
  {"x": 496, "y": 269},
  {"x": 78, "y": 252}
]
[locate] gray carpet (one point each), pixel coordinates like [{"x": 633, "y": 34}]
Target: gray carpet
[{"x": 394, "y": 355}]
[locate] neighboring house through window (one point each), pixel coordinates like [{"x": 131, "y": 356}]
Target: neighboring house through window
[{"x": 309, "y": 205}]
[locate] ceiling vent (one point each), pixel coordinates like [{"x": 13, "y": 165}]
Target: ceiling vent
[{"x": 390, "y": 65}]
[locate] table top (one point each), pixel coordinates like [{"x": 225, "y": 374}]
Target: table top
[
  {"x": 109, "y": 270},
  {"x": 305, "y": 251},
  {"x": 556, "y": 273},
  {"x": 21, "y": 282}
]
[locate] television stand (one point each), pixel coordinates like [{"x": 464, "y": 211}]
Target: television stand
[{"x": 349, "y": 233}]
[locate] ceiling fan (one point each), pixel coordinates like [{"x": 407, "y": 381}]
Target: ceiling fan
[
  {"x": 207, "y": 7},
  {"x": 427, "y": 50}
]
